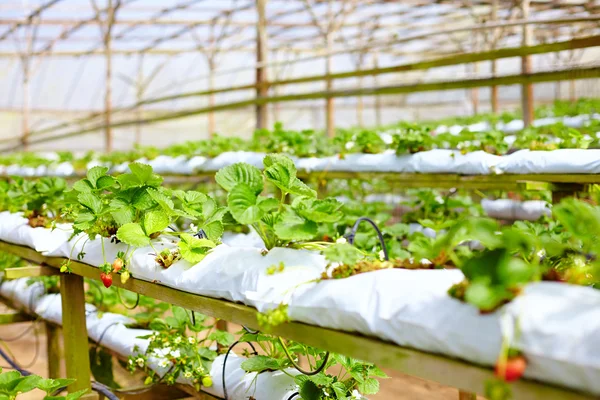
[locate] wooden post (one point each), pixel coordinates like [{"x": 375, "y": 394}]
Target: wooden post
[
  {"x": 329, "y": 106},
  {"x": 25, "y": 104},
  {"x": 75, "y": 332},
  {"x": 494, "y": 89},
  {"x": 359, "y": 104},
  {"x": 53, "y": 350},
  {"x": 377, "y": 98},
  {"x": 139, "y": 94},
  {"x": 475, "y": 91},
  {"x": 108, "y": 142},
  {"x": 527, "y": 88},
  {"x": 261, "y": 59},
  {"x": 211, "y": 97},
  {"x": 466, "y": 395}
]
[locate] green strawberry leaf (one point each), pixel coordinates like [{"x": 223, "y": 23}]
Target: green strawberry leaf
[
  {"x": 155, "y": 221},
  {"x": 242, "y": 202},
  {"x": 240, "y": 173},
  {"x": 193, "y": 249},
  {"x": 291, "y": 226},
  {"x": 133, "y": 234}
]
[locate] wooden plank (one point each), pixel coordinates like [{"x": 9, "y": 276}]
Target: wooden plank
[
  {"x": 75, "y": 332},
  {"x": 466, "y": 395},
  {"x": 462, "y": 58},
  {"x": 12, "y": 318},
  {"x": 31, "y": 271},
  {"x": 53, "y": 350},
  {"x": 447, "y": 371}
]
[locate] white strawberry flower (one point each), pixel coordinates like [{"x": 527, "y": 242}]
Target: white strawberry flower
[{"x": 341, "y": 240}]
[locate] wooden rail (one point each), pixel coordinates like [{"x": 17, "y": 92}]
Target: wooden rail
[
  {"x": 447, "y": 371},
  {"x": 517, "y": 79}
]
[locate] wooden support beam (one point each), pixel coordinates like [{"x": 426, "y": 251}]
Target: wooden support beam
[
  {"x": 26, "y": 272},
  {"x": 75, "y": 332},
  {"x": 13, "y": 318},
  {"x": 53, "y": 350},
  {"x": 537, "y": 77},
  {"x": 526, "y": 88},
  {"x": 440, "y": 62},
  {"x": 494, "y": 66},
  {"x": 108, "y": 139},
  {"x": 463, "y": 58},
  {"x": 261, "y": 58},
  {"x": 467, "y": 377},
  {"x": 462, "y": 395}
]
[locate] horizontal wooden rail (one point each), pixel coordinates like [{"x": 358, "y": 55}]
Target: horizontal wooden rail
[
  {"x": 457, "y": 59},
  {"x": 27, "y": 272},
  {"x": 517, "y": 182},
  {"x": 447, "y": 371},
  {"x": 572, "y": 44},
  {"x": 12, "y": 318},
  {"x": 519, "y": 79}
]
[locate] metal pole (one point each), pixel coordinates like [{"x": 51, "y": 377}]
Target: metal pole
[
  {"x": 261, "y": 58},
  {"x": 526, "y": 88}
]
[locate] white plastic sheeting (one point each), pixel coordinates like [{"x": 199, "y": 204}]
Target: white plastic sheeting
[
  {"x": 530, "y": 210},
  {"x": 437, "y": 161},
  {"x": 562, "y": 161},
  {"x": 559, "y": 322}
]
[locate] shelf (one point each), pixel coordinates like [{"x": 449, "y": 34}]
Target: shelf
[{"x": 447, "y": 371}]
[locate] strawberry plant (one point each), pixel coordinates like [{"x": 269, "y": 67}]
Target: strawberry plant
[
  {"x": 13, "y": 383},
  {"x": 277, "y": 223},
  {"x": 38, "y": 199},
  {"x": 175, "y": 345},
  {"x": 353, "y": 377},
  {"x": 134, "y": 208}
]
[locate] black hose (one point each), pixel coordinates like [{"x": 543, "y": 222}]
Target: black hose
[
  {"x": 352, "y": 234},
  {"x": 225, "y": 363}
]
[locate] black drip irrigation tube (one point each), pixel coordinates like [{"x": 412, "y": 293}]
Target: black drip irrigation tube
[
  {"x": 254, "y": 352},
  {"x": 350, "y": 237}
]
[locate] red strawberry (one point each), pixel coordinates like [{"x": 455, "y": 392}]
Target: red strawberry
[
  {"x": 117, "y": 265},
  {"x": 106, "y": 279},
  {"x": 513, "y": 370}
]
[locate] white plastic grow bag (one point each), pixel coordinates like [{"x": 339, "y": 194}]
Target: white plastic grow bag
[
  {"x": 530, "y": 210},
  {"x": 562, "y": 161}
]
